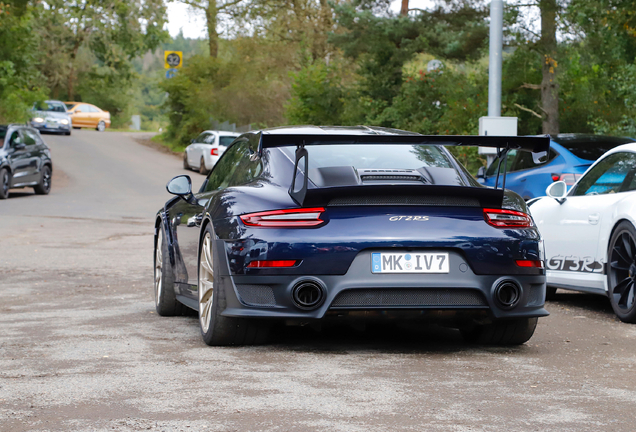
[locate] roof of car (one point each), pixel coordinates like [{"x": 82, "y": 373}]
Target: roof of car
[
  {"x": 631, "y": 147},
  {"x": 573, "y": 139},
  {"x": 333, "y": 130},
  {"x": 223, "y": 132}
]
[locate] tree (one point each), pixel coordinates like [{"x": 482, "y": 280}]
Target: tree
[
  {"x": 549, "y": 83},
  {"x": 20, "y": 80},
  {"x": 114, "y": 30},
  {"x": 212, "y": 10}
]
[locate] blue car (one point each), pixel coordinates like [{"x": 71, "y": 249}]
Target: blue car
[
  {"x": 570, "y": 156},
  {"x": 303, "y": 224}
]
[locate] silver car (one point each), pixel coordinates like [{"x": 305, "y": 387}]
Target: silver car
[
  {"x": 206, "y": 149},
  {"x": 51, "y": 116}
]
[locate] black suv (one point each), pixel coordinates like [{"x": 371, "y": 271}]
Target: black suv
[{"x": 25, "y": 161}]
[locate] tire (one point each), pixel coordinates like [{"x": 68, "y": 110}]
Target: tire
[
  {"x": 502, "y": 332},
  {"x": 202, "y": 169},
  {"x": 218, "y": 330},
  {"x": 101, "y": 126},
  {"x": 44, "y": 185},
  {"x": 186, "y": 165},
  {"x": 5, "y": 183},
  {"x": 67, "y": 133},
  {"x": 76, "y": 127},
  {"x": 550, "y": 293},
  {"x": 621, "y": 272},
  {"x": 166, "y": 302}
]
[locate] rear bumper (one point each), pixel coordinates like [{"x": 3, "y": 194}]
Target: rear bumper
[{"x": 270, "y": 296}]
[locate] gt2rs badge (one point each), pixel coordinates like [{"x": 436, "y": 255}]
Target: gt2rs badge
[{"x": 408, "y": 218}]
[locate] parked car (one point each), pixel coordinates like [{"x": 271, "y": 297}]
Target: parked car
[
  {"x": 51, "y": 116},
  {"x": 302, "y": 224},
  {"x": 590, "y": 240},
  {"x": 570, "y": 155},
  {"x": 206, "y": 149},
  {"x": 85, "y": 115},
  {"x": 25, "y": 161}
]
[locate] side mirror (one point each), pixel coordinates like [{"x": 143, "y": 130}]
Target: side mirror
[
  {"x": 78, "y": 111},
  {"x": 557, "y": 190},
  {"x": 180, "y": 185},
  {"x": 481, "y": 172},
  {"x": 192, "y": 141}
]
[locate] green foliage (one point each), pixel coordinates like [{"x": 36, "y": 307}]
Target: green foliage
[
  {"x": 20, "y": 81},
  {"x": 317, "y": 96},
  {"x": 247, "y": 83}
]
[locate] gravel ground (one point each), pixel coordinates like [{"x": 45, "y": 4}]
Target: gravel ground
[{"x": 82, "y": 349}]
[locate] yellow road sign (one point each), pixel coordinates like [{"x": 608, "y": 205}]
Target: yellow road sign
[{"x": 173, "y": 59}]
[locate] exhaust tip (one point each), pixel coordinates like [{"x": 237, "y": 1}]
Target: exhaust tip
[
  {"x": 507, "y": 294},
  {"x": 308, "y": 295}
]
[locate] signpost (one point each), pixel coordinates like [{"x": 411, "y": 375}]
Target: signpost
[{"x": 173, "y": 60}]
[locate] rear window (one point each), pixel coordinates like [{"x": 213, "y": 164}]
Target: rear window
[
  {"x": 591, "y": 147},
  {"x": 225, "y": 141},
  {"x": 385, "y": 156}
]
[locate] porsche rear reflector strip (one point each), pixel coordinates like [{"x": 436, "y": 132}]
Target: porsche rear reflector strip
[
  {"x": 530, "y": 263},
  {"x": 501, "y": 218},
  {"x": 287, "y": 218},
  {"x": 272, "y": 263}
]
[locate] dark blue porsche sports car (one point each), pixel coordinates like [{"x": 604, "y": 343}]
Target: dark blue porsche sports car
[{"x": 332, "y": 223}]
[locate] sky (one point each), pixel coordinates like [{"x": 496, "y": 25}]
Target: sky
[{"x": 181, "y": 16}]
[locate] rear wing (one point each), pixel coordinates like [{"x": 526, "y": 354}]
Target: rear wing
[{"x": 537, "y": 145}]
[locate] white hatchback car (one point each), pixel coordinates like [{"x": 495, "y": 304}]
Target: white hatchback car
[
  {"x": 589, "y": 234},
  {"x": 206, "y": 149}
]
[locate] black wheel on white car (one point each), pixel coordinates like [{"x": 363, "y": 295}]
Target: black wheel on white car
[
  {"x": 166, "y": 302},
  {"x": 501, "y": 332},
  {"x": 217, "y": 329},
  {"x": 202, "y": 169},
  {"x": 101, "y": 126},
  {"x": 550, "y": 293},
  {"x": 185, "y": 161},
  {"x": 621, "y": 272},
  {"x": 44, "y": 185},
  {"x": 5, "y": 182}
]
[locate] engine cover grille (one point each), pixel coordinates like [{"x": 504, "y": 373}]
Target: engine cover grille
[
  {"x": 256, "y": 295},
  {"x": 405, "y": 200},
  {"x": 405, "y": 297}
]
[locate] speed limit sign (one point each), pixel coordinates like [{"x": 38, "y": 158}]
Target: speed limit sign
[{"x": 173, "y": 59}]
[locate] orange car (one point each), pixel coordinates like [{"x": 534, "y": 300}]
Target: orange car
[{"x": 87, "y": 115}]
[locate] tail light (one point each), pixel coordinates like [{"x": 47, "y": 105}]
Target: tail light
[
  {"x": 214, "y": 152},
  {"x": 501, "y": 218},
  {"x": 272, "y": 264},
  {"x": 569, "y": 179},
  {"x": 287, "y": 218},
  {"x": 530, "y": 263}
]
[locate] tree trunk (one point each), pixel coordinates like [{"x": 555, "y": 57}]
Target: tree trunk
[
  {"x": 549, "y": 84},
  {"x": 213, "y": 37},
  {"x": 404, "y": 10},
  {"x": 71, "y": 72}
]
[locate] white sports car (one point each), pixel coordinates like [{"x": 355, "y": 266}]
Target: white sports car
[
  {"x": 589, "y": 234},
  {"x": 206, "y": 149}
]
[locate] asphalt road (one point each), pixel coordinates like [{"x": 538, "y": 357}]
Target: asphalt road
[{"x": 82, "y": 349}]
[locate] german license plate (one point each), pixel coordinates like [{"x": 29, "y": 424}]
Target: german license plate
[
  {"x": 51, "y": 125},
  {"x": 411, "y": 262}
]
